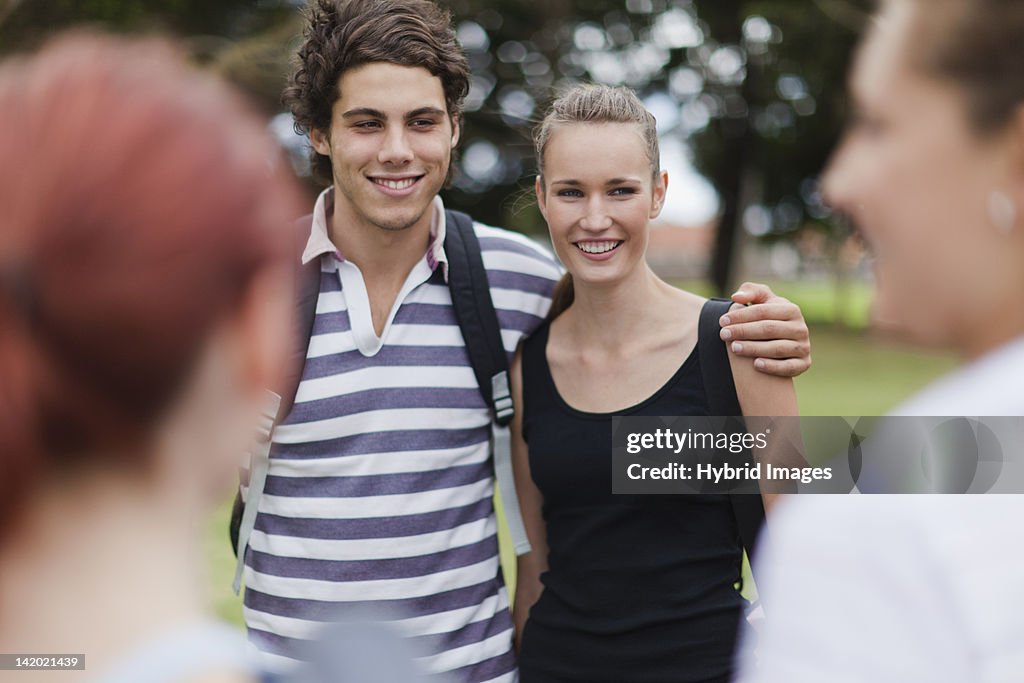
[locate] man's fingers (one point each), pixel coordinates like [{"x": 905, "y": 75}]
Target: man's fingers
[
  {"x": 766, "y": 330},
  {"x": 771, "y": 330},
  {"x": 778, "y": 350},
  {"x": 753, "y": 293},
  {"x": 783, "y": 368},
  {"x": 779, "y": 309}
]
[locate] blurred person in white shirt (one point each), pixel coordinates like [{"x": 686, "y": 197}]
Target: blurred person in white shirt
[{"x": 931, "y": 172}]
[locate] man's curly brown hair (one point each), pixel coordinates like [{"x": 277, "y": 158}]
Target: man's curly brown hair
[{"x": 342, "y": 34}]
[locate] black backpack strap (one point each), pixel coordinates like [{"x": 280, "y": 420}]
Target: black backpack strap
[
  {"x": 471, "y": 298},
  {"x": 721, "y": 394},
  {"x": 307, "y": 289},
  {"x": 474, "y": 310}
]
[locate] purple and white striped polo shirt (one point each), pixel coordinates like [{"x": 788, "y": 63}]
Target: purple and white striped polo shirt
[{"x": 379, "y": 491}]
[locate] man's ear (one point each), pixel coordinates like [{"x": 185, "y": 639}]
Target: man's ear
[
  {"x": 538, "y": 188},
  {"x": 321, "y": 141},
  {"x": 456, "y": 131},
  {"x": 658, "y": 194}
]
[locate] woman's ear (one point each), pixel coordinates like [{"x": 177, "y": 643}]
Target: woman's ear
[
  {"x": 658, "y": 194},
  {"x": 321, "y": 141},
  {"x": 538, "y": 188}
]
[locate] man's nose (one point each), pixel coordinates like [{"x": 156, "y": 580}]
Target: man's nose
[{"x": 395, "y": 148}]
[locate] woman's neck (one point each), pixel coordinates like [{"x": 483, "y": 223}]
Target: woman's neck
[
  {"x": 99, "y": 567},
  {"x": 609, "y": 315},
  {"x": 993, "y": 320},
  {"x": 999, "y": 332}
]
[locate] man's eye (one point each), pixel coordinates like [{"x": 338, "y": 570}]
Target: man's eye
[
  {"x": 423, "y": 123},
  {"x": 368, "y": 124}
]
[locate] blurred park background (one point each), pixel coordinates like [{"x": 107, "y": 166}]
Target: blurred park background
[{"x": 749, "y": 97}]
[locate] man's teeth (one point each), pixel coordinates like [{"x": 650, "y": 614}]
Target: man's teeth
[
  {"x": 395, "y": 184},
  {"x": 597, "y": 247}
]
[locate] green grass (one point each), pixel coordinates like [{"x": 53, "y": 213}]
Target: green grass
[
  {"x": 853, "y": 374},
  {"x": 822, "y": 302},
  {"x": 220, "y": 569}
]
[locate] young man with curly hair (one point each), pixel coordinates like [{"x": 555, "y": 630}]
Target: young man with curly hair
[{"x": 379, "y": 489}]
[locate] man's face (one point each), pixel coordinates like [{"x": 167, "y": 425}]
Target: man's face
[{"x": 390, "y": 145}]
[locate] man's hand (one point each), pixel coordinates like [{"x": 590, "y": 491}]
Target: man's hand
[{"x": 771, "y": 330}]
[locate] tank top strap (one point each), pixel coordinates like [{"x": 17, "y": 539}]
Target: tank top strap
[
  {"x": 184, "y": 652},
  {"x": 538, "y": 396},
  {"x": 716, "y": 371}
]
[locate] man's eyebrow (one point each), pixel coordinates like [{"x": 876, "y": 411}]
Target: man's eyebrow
[
  {"x": 364, "y": 111},
  {"x": 425, "y": 111},
  {"x": 377, "y": 114}
]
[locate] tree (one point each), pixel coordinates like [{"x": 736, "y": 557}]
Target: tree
[
  {"x": 207, "y": 26},
  {"x": 756, "y": 86}
]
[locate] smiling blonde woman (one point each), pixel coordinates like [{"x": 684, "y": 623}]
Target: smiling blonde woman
[{"x": 638, "y": 588}]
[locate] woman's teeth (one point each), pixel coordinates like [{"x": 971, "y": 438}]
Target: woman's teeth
[{"x": 598, "y": 247}]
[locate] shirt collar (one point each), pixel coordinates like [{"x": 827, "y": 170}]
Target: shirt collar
[{"x": 319, "y": 242}]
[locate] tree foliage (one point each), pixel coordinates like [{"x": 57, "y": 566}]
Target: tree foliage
[
  {"x": 755, "y": 87},
  {"x": 28, "y": 22}
]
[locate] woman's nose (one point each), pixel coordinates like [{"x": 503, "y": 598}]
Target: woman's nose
[
  {"x": 837, "y": 182},
  {"x": 597, "y": 218}
]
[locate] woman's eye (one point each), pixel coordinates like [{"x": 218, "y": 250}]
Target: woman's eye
[
  {"x": 623, "y": 191},
  {"x": 570, "y": 193}
]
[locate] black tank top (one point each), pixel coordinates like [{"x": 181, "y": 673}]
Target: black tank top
[{"x": 639, "y": 588}]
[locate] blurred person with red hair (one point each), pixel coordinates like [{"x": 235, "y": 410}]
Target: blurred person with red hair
[{"x": 144, "y": 288}]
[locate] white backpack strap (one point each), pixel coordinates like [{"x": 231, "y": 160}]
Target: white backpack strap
[
  {"x": 502, "y": 445},
  {"x": 259, "y": 463}
]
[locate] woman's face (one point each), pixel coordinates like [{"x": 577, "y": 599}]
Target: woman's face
[
  {"x": 916, "y": 180},
  {"x": 597, "y": 197}
]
